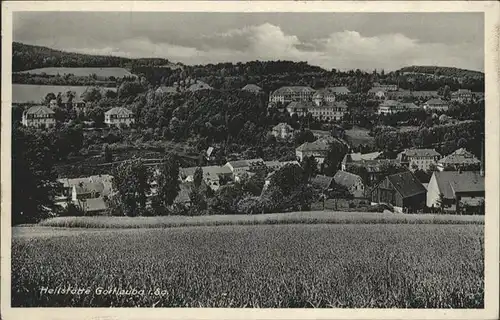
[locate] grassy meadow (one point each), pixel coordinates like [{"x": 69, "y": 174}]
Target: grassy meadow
[
  {"x": 304, "y": 217},
  {"x": 32, "y": 93},
  {"x": 287, "y": 266}
]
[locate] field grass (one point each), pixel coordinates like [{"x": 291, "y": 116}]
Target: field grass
[
  {"x": 310, "y": 217},
  {"x": 287, "y": 266},
  {"x": 82, "y": 72},
  {"x": 26, "y": 93}
]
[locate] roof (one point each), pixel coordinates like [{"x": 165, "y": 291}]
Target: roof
[
  {"x": 321, "y": 181},
  {"x": 406, "y": 184},
  {"x": 346, "y": 179},
  {"x": 94, "y": 204},
  {"x": 374, "y": 166},
  {"x": 99, "y": 183},
  {"x": 450, "y": 182},
  {"x": 436, "y": 101},
  {"x": 460, "y": 156},
  {"x": 39, "y": 110},
  {"x": 252, "y": 87},
  {"x": 119, "y": 111},
  {"x": 318, "y": 145},
  {"x": 425, "y": 93},
  {"x": 167, "y": 89},
  {"x": 377, "y": 89},
  {"x": 339, "y": 89},
  {"x": 208, "y": 171},
  {"x": 421, "y": 153},
  {"x": 245, "y": 163},
  {"x": 293, "y": 89},
  {"x": 199, "y": 85},
  {"x": 358, "y": 156}
]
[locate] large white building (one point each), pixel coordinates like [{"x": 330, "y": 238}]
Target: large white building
[
  {"x": 38, "y": 116},
  {"x": 119, "y": 115},
  {"x": 292, "y": 93},
  {"x": 393, "y": 106},
  {"x": 419, "y": 159}
]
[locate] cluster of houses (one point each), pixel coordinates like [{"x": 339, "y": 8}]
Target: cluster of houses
[{"x": 457, "y": 179}]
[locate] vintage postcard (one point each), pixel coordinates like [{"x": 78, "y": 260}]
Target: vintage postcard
[{"x": 260, "y": 160}]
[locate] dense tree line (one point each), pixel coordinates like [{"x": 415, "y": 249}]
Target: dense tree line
[
  {"x": 443, "y": 71},
  {"x": 26, "y": 57}
]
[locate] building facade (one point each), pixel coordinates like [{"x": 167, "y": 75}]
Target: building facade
[
  {"x": 119, "y": 115},
  {"x": 352, "y": 182},
  {"x": 403, "y": 191},
  {"x": 448, "y": 189},
  {"x": 436, "y": 105},
  {"x": 292, "y": 93},
  {"x": 38, "y": 116},
  {"x": 318, "y": 149},
  {"x": 419, "y": 159},
  {"x": 462, "y": 95}
]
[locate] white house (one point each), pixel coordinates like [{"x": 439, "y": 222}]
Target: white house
[
  {"x": 292, "y": 93},
  {"x": 460, "y": 159},
  {"x": 436, "y": 105},
  {"x": 457, "y": 187},
  {"x": 419, "y": 159},
  {"x": 38, "y": 116},
  {"x": 319, "y": 149},
  {"x": 239, "y": 168},
  {"x": 119, "y": 115}
]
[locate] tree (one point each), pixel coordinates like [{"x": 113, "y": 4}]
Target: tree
[
  {"x": 33, "y": 176},
  {"x": 168, "y": 180},
  {"x": 198, "y": 201},
  {"x": 131, "y": 180},
  {"x": 198, "y": 177},
  {"x": 49, "y": 97},
  {"x": 288, "y": 178},
  {"x": 310, "y": 167},
  {"x": 107, "y": 154},
  {"x": 441, "y": 201},
  {"x": 334, "y": 157}
]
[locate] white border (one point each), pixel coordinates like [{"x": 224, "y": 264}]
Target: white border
[{"x": 492, "y": 31}]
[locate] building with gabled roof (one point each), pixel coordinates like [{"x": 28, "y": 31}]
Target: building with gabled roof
[
  {"x": 253, "y": 88},
  {"x": 288, "y": 94},
  {"x": 38, "y": 116},
  {"x": 402, "y": 190},
  {"x": 212, "y": 175},
  {"x": 456, "y": 187},
  {"x": 119, "y": 115},
  {"x": 436, "y": 104},
  {"x": 168, "y": 90},
  {"x": 462, "y": 95},
  {"x": 354, "y": 157},
  {"x": 419, "y": 159},
  {"x": 461, "y": 159},
  {"x": 318, "y": 149},
  {"x": 352, "y": 182},
  {"x": 198, "y": 86}
]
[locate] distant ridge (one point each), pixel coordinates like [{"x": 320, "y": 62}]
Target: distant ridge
[
  {"x": 27, "y": 57},
  {"x": 443, "y": 71}
]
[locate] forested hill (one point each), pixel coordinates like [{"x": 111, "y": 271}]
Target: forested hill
[
  {"x": 26, "y": 57},
  {"x": 443, "y": 71}
]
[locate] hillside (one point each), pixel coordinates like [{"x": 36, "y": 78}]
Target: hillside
[
  {"x": 27, "y": 57},
  {"x": 443, "y": 71}
]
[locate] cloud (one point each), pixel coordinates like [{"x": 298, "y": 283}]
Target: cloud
[{"x": 341, "y": 50}]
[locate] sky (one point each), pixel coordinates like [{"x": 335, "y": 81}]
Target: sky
[{"x": 342, "y": 41}]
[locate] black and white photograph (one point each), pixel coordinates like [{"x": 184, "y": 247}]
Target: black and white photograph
[{"x": 248, "y": 159}]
